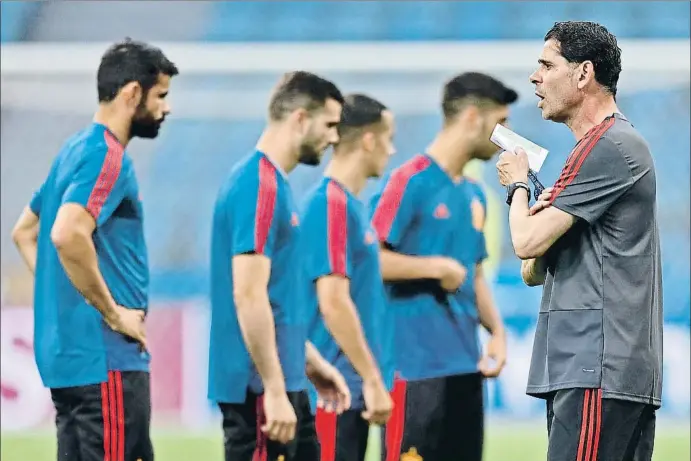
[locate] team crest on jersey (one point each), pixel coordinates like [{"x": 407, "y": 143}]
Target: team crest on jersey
[
  {"x": 294, "y": 220},
  {"x": 478, "y": 214},
  {"x": 411, "y": 455},
  {"x": 442, "y": 211}
]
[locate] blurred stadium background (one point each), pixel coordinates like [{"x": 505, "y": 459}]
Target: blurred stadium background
[{"x": 230, "y": 54}]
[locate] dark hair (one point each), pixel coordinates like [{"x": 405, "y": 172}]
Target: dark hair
[
  {"x": 131, "y": 61},
  {"x": 474, "y": 88},
  {"x": 581, "y": 41},
  {"x": 301, "y": 89},
  {"x": 359, "y": 111}
]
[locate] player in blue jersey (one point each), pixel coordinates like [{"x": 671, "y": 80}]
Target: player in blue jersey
[
  {"x": 350, "y": 322},
  {"x": 259, "y": 358},
  {"x": 427, "y": 218},
  {"x": 82, "y": 235}
]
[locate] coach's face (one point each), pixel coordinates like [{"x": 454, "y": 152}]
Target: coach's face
[
  {"x": 320, "y": 133},
  {"x": 556, "y": 83}
]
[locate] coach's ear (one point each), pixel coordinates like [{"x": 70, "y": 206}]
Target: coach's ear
[{"x": 586, "y": 74}]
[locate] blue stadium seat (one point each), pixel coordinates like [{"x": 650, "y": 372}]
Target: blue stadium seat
[{"x": 13, "y": 19}]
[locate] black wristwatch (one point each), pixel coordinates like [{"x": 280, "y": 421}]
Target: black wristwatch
[{"x": 512, "y": 188}]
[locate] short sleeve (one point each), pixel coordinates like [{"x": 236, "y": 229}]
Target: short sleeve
[
  {"x": 37, "y": 201},
  {"x": 392, "y": 210},
  {"x": 478, "y": 208},
  {"x": 99, "y": 183},
  {"x": 592, "y": 180},
  {"x": 325, "y": 235},
  {"x": 253, "y": 210}
]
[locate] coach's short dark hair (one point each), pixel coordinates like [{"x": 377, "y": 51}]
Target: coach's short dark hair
[
  {"x": 477, "y": 89},
  {"x": 131, "y": 61},
  {"x": 581, "y": 41},
  {"x": 359, "y": 112},
  {"x": 301, "y": 89}
]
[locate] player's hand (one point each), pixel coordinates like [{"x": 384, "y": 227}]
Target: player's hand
[
  {"x": 451, "y": 274},
  {"x": 280, "y": 416},
  {"x": 332, "y": 391},
  {"x": 495, "y": 352},
  {"x": 129, "y": 322},
  {"x": 543, "y": 201},
  {"x": 513, "y": 167},
  {"x": 378, "y": 403}
]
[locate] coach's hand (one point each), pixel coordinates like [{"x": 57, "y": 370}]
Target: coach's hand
[
  {"x": 543, "y": 201},
  {"x": 378, "y": 403},
  {"x": 280, "y": 417},
  {"x": 332, "y": 390},
  {"x": 450, "y": 273},
  {"x": 495, "y": 351},
  {"x": 129, "y": 322},
  {"x": 513, "y": 167}
]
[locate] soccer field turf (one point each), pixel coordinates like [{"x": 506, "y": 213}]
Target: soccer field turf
[{"x": 504, "y": 443}]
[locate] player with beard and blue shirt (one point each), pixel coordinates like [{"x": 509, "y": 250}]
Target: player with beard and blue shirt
[
  {"x": 82, "y": 236},
  {"x": 259, "y": 356},
  {"x": 431, "y": 261},
  {"x": 350, "y": 322}
]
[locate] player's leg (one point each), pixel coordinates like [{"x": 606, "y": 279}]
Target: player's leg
[
  {"x": 344, "y": 437},
  {"x": 352, "y": 436},
  {"x": 68, "y": 442},
  {"x": 644, "y": 441},
  {"x": 242, "y": 435},
  {"x": 133, "y": 389},
  {"x": 465, "y": 419},
  {"x": 416, "y": 423}
]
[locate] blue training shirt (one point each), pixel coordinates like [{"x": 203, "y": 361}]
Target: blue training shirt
[
  {"x": 420, "y": 211},
  {"x": 337, "y": 239},
  {"x": 255, "y": 213},
  {"x": 73, "y": 345}
]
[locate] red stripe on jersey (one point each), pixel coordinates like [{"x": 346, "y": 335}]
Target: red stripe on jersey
[
  {"x": 110, "y": 171},
  {"x": 336, "y": 227},
  {"x": 391, "y": 198},
  {"x": 266, "y": 202},
  {"x": 578, "y": 156}
]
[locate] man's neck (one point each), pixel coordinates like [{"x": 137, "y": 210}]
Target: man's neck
[
  {"x": 274, "y": 143},
  {"x": 345, "y": 169},
  {"x": 591, "y": 113},
  {"x": 450, "y": 153},
  {"x": 120, "y": 126}
]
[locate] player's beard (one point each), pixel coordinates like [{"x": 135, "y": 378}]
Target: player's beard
[
  {"x": 310, "y": 155},
  {"x": 144, "y": 124}
]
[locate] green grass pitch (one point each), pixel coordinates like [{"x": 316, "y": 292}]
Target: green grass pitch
[{"x": 504, "y": 442}]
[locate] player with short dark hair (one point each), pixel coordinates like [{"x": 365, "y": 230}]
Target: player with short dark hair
[
  {"x": 350, "y": 321},
  {"x": 429, "y": 219},
  {"x": 592, "y": 240},
  {"x": 259, "y": 357},
  {"x": 90, "y": 262}
]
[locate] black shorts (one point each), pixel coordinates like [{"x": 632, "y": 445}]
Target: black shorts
[
  {"x": 344, "y": 437},
  {"x": 437, "y": 419},
  {"x": 583, "y": 426},
  {"x": 105, "y": 422},
  {"x": 244, "y": 440}
]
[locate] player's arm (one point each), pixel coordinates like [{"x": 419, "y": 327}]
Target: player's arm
[
  {"x": 489, "y": 315},
  {"x": 328, "y": 265},
  {"x": 25, "y": 232},
  {"x": 96, "y": 189},
  {"x": 252, "y": 211},
  {"x": 251, "y": 274},
  {"x": 533, "y": 271}
]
